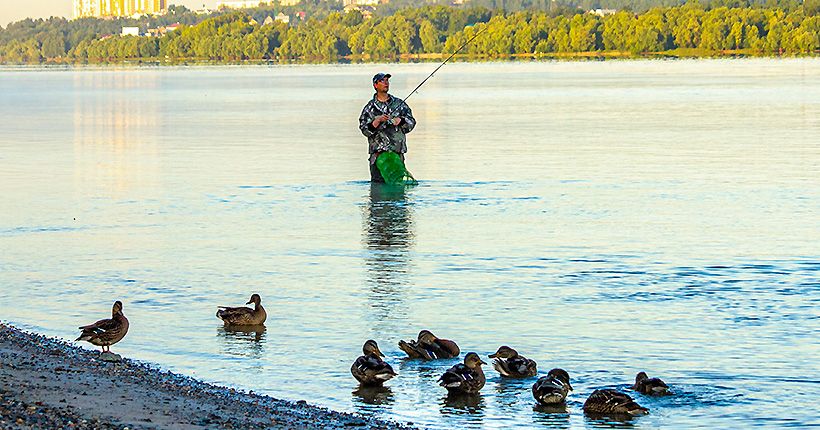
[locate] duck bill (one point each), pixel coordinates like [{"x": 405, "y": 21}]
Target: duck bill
[
  {"x": 379, "y": 353},
  {"x": 493, "y": 355},
  {"x": 481, "y": 362}
]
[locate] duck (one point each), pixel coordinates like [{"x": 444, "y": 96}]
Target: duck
[
  {"x": 242, "y": 315},
  {"x": 553, "y": 388},
  {"x": 369, "y": 369},
  {"x": 651, "y": 386},
  {"x": 107, "y": 332},
  {"x": 466, "y": 378},
  {"x": 612, "y": 402},
  {"x": 511, "y": 365},
  {"x": 429, "y": 347}
]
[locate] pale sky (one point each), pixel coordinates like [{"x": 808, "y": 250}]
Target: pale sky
[{"x": 15, "y": 10}]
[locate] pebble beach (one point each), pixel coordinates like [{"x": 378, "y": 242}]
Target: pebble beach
[{"x": 47, "y": 383}]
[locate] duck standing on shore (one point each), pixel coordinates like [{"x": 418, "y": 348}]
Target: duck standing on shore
[
  {"x": 369, "y": 369},
  {"x": 651, "y": 386},
  {"x": 429, "y": 347},
  {"x": 511, "y": 365},
  {"x": 553, "y": 388},
  {"x": 612, "y": 402},
  {"x": 107, "y": 332},
  {"x": 242, "y": 315},
  {"x": 466, "y": 378}
]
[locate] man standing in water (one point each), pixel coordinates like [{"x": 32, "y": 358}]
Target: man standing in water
[{"x": 385, "y": 120}]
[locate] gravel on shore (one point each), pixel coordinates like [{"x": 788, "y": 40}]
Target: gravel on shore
[{"x": 47, "y": 383}]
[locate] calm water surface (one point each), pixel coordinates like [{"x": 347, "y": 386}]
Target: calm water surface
[{"x": 603, "y": 217}]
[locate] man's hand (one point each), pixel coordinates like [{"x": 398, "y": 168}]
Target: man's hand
[
  {"x": 379, "y": 120},
  {"x": 396, "y": 121}
]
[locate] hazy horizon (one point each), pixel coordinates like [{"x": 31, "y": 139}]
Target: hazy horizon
[{"x": 16, "y": 11}]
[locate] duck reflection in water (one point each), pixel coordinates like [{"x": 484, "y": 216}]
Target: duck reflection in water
[
  {"x": 552, "y": 416},
  {"x": 463, "y": 404},
  {"x": 243, "y": 341},
  {"x": 388, "y": 238},
  {"x": 373, "y": 395}
]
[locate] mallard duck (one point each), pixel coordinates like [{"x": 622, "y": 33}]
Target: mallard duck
[
  {"x": 467, "y": 378},
  {"x": 612, "y": 402},
  {"x": 511, "y": 365},
  {"x": 429, "y": 347},
  {"x": 243, "y": 315},
  {"x": 553, "y": 388},
  {"x": 107, "y": 332},
  {"x": 369, "y": 369},
  {"x": 652, "y": 386}
]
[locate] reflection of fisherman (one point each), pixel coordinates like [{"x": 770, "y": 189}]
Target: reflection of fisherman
[{"x": 385, "y": 120}]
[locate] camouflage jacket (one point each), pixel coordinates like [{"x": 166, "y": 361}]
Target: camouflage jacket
[{"x": 387, "y": 137}]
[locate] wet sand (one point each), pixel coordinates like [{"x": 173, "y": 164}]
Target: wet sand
[{"x": 47, "y": 383}]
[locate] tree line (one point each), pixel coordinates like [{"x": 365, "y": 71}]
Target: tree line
[{"x": 334, "y": 35}]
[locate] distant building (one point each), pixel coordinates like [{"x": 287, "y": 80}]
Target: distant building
[
  {"x": 603, "y": 12},
  {"x": 289, "y": 2},
  {"x": 131, "y": 31},
  {"x": 366, "y": 11},
  {"x": 162, "y": 31},
  {"x": 240, "y": 4},
  {"x": 281, "y": 17},
  {"x": 362, "y": 2},
  {"x": 111, "y": 8}
]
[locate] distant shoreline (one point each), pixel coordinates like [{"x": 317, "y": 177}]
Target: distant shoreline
[
  {"x": 48, "y": 383},
  {"x": 432, "y": 58}
]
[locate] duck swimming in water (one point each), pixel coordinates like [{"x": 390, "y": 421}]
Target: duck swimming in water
[
  {"x": 369, "y": 369},
  {"x": 553, "y": 388},
  {"x": 242, "y": 315},
  {"x": 511, "y": 365},
  {"x": 107, "y": 332},
  {"x": 651, "y": 386},
  {"x": 429, "y": 347},
  {"x": 466, "y": 378},
  {"x": 612, "y": 402}
]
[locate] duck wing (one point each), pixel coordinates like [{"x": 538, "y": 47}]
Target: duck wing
[
  {"x": 371, "y": 370},
  {"x": 549, "y": 391},
  {"x": 652, "y": 386},
  {"x": 234, "y": 315},
  {"x": 414, "y": 350},
  {"x": 608, "y": 401},
  {"x": 100, "y": 326}
]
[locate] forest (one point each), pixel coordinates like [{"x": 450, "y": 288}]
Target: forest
[{"x": 327, "y": 34}]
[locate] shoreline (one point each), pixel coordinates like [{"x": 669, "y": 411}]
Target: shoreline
[
  {"x": 49, "y": 383},
  {"x": 675, "y": 54}
]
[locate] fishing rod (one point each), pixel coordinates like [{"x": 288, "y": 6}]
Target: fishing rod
[{"x": 445, "y": 62}]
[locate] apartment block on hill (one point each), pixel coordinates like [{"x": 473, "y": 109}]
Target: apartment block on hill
[{"x": 115, "y": 8}]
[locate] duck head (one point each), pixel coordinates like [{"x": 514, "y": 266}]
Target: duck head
[
  {"x": 504, "y": 352},
  {"x": 561, "y": 375},
  {"x": 641, "y": 376},
  {"x": 117, "y": 308},
  {"x": 472, "y": 360},
  {"x": 425, "y": 336},
  {"x": 255, "y": 299},
  {"x": 371, "y": 348}
]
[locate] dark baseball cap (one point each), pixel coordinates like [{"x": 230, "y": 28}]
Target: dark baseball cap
[{"x": 379, "y": 76}]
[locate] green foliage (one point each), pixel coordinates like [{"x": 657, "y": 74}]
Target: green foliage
[{"x": 434, "y": 29}]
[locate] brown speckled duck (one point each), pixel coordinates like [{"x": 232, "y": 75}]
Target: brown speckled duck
[
  {"x": 429, "y": 347},
  {"x": 369, "y": 369},
  {"x": 553, "y": 388},
  {"x": 242, "y": 315},
  {"x": 651, "y": 386},
  {"x": 467, "y": 378},
  {"x": 107, "y": 332},
  {"x": 511, "y": 365},
  {"x": 612, "y": 402}
]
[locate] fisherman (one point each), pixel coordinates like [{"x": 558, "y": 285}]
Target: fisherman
[{"x": 385, "y": 120}]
